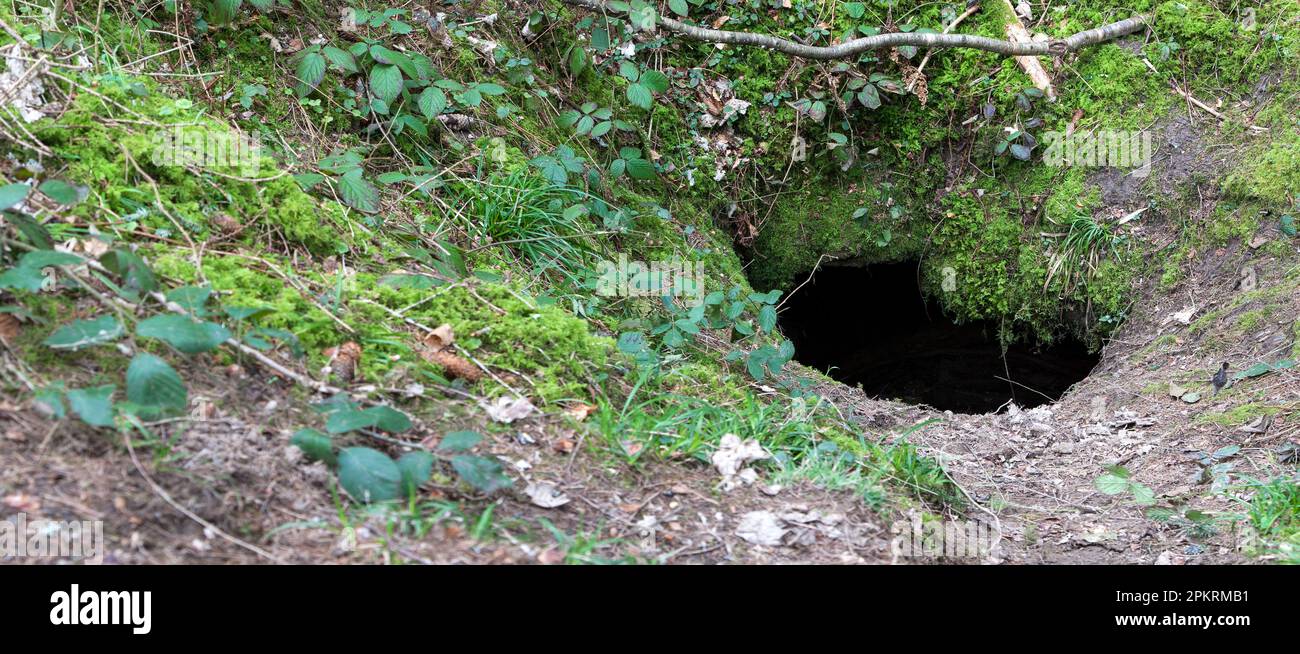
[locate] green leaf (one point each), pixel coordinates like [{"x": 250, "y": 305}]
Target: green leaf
[
  {"x": 136, "y": 276},
  {"x": 33, "y": 231},
  {"x": 341, "y": 59},
  {"x": 679, "y": 7},
  {"x": 629, "y": 71},
  {"x": 577, "y": 60},
  {"x": 369, "y": 475},
  {"x": 767, "y": 318},
  {"x": 432, "y": 102},
  {"x": 640, "y": 96},
  {"x": 310, "y": 72},
  {"x": 386, "y": 57},
  {"x": 223, "y": 11},
  {"x": 600, "y": 39},
  {"x": 1111, "y": 484},
  {"x": 631, "y": 342},
  {"x": 416, "y": 468},
  {"x": 27, "y": 274},
  {"x": 1287, "y": 225},
  {"x": 12, "y": 194},
  {"x": 756, "y": 364},
  {"x": 1143, "y": 495},
  {"x": 80, "y": 334},
  {"x": 63, "y": 192},
  {"x": 184, "y": 334},
  {"x": 641, "y": 169},
  {"x": 346, "y": 420},
  {"x": 39, "y": 259},
  {"x": 93, "y": 405},
  {"x": 483, "y": 473},
  {"x": 51, "y": 398},
  {"x": 654, "y": 80},
  {"x": 460, "y": 441},
  {"x": 389, "y": 419},
  {"x": 317, "y": 446},
  {"x": 151, "y": 382},
  {"x": 193, "y": 299},
  {"x": 869, "y": 97},
  {"x": 357, "y": 192},
  {"x": 386, "y": 82}
]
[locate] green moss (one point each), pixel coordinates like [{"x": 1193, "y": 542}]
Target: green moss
[
  {"x": 1269, "y": 175},
  {"x": 550, "y": 352},
  {"x": 96, "y": 152},
  {"x": 1238, "y": 415}
]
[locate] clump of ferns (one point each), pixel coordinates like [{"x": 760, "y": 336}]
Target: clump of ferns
[{"x": 1081, "y": 249}]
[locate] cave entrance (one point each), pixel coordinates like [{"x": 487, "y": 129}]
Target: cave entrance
[{"x": 872, "y": 326}]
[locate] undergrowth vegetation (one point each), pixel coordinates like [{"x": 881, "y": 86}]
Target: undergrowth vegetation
[{"x": 393, "y": 208}]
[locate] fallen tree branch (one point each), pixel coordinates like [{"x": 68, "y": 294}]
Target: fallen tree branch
[
  {"x": 1017, "y": 32},
  {"x": 855, "y": 47}
]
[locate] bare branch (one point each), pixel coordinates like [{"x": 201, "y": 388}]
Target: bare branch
[{"x": 892, "y": 40}]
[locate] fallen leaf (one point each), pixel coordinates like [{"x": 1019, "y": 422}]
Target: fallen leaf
[
  {"x": 731, "y": 457},
  {"x": 23, "y": 502},
  {"x": 579, "y": 411},
  {"x": 551, "y": 556},
  {"x": 546, "y": 495},
  {"x": 9, "y": 328},
  {"x": 508, "y": 410},
  {"x": 1183, "y": 317},
  {"x": 440, "y": 338}
]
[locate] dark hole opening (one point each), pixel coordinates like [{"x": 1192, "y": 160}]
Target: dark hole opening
[{"x": 872, "y": 326}]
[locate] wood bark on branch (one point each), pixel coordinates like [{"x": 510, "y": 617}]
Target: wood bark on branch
[{"x": 855, "y": 47}]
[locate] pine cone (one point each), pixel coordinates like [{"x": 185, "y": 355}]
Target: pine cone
[{"x": 454, "y": 366}]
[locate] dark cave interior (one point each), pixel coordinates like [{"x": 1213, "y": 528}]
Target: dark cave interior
[{"x": 871, "y": 326}]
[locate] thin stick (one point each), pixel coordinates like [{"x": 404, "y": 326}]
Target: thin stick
[
  {"x": 805, "y": 282},
  {"x": 951, "y": 26},
  {"x": 186, "y": 512},
  {"x": 1012, "y": 381}
]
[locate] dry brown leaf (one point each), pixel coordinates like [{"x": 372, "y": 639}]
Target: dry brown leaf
[
  {"x": 563, "y": 446},
  {"x": 579, "y": 411},
  {"x": 9, "y": 328},
  {"x": 440, "y": 338},
  {"x": 550, "y": 556},
  {"x": 23, "y": 502}
]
